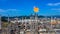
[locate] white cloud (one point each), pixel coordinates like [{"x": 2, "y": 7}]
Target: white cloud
[
  {"x": 58, "y": 9},
  {"x": 13, "y": 10},
  {"x": 53, "y": 4},
  {"x": 1, "y": 10},
  {"x": 8, "y": 10}
]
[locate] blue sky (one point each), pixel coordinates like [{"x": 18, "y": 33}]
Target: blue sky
[{"x": 25, "y": 7}]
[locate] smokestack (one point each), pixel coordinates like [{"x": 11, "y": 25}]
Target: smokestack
[{"x": 0, "y": 21}]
